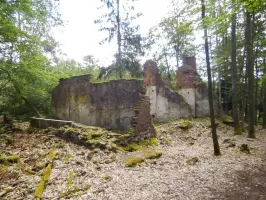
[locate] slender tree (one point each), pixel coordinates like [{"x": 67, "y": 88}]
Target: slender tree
[
  {"x": 264, "y": 101},
  {"x": 250, "y": 72},
  {"x": 210, "y": 93},
  {"x": 119, "y": 23},
  {"x": 237, "y": 126}
]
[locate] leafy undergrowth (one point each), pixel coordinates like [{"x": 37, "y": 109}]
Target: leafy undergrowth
[{"x": 178, "y": 164}]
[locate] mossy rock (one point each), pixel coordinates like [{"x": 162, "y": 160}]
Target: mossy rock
[
  {"x": 149, "y": 142},
  {"x": 228, "y": 120},
  {"x": 137, "y": 146},
  {"x": 245, "y": 148},
  {"x": 151, "y": 154},
  {"x": 185, "y": 124},
  {"x": 192, "y": 161},
  {"x": 133, "y": 161}
]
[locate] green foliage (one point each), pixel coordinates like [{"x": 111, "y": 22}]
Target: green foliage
[{"x": 129, "y": 42}]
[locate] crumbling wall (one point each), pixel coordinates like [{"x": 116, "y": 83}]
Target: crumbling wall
[
  {"x": 109, "y": 104},
  {"x": 166, "y": 105},
  {"x": 192, "y": 88}
]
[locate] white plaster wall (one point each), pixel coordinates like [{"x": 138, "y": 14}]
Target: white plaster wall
[
  {"x": 202, "y": 108},
  {"x": 162, "y": 110},
  {"x": 190, "y": 96},
  {"x": 152, "y": 93}
]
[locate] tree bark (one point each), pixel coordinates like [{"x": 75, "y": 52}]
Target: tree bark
[
  {"x": 250, "y": 70},
  {"x": 212, "y": 118},
  {"x": 264, "y": 104},
  {"x": 237, "y": 126}
]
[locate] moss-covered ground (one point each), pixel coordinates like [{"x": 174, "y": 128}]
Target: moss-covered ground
[{"x": 39, "y": 165}]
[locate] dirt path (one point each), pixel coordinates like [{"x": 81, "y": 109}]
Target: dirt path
[{"x": 186, "y": 170}]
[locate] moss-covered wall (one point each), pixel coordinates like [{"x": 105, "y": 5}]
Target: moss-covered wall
[{"x": 108, "y": 104}]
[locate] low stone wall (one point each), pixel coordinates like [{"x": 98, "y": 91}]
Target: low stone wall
[{"x": 46, "y": 123}]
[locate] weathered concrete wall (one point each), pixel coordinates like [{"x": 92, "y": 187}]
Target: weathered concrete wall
[
  {"x": 46, "y": 123},
  {"x": 110, "y": 104},
  {"x": 202, "y": 101},
  {"x": 166, "y": 105},
  {"x": 189, "y": 95}
]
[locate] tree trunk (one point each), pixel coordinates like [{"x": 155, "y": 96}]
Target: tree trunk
[
  {"x": 214, "y": 134},
  {"x": 250, "y": 71},
  {"x": 243, "y": 89},
  {"x": 237, "y": 127},
  {"x": 119, "y": 57},
  {"x": 264, "y": 104},
  {"x": 256, "y": 92}
]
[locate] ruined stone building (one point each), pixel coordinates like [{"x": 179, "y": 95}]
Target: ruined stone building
[
  {"x": 191, "y": 87},
  {"x": 131, "y": 105}
]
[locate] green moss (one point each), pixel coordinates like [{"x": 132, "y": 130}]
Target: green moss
[
  {"x": 132, "y": 147},
  {"x": 115, "y": 146},
  {"x": 70, "y": 193},
  {"x": 130, "y": 131},
  {"x": 151, "y": 154},
  {"x": 149, "y": 142},
  {"x": 106, "y": 178},
  {"x": 8, "y": 160},
  {"x": 51, "y": 155},
  {"x": 192, "y": 161},
  {"x": 137, "y": 146},
  {"x": 167, "y": 141},
  {"x": 133, "y": 161},
  {"x": 5, "y": 191},
  {"x": 227, "y": 119},
  {"x": 67, "y": 158},
  {"x": 30, "y": 172},
  {"x": 245, "y": 148},
  {"x": 7, "y": 139},
  {"x": 185, "y": 124},
  {"x": 40, "y": 166},
  {"x": 225, "y": 130},
  {"x": 70, "y": 180},
  {"x": 80, "y": 100},
  {"x": 46, "y": 174}
]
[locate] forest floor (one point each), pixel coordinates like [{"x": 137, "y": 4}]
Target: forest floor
[{"x": 187, "y": 168}]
